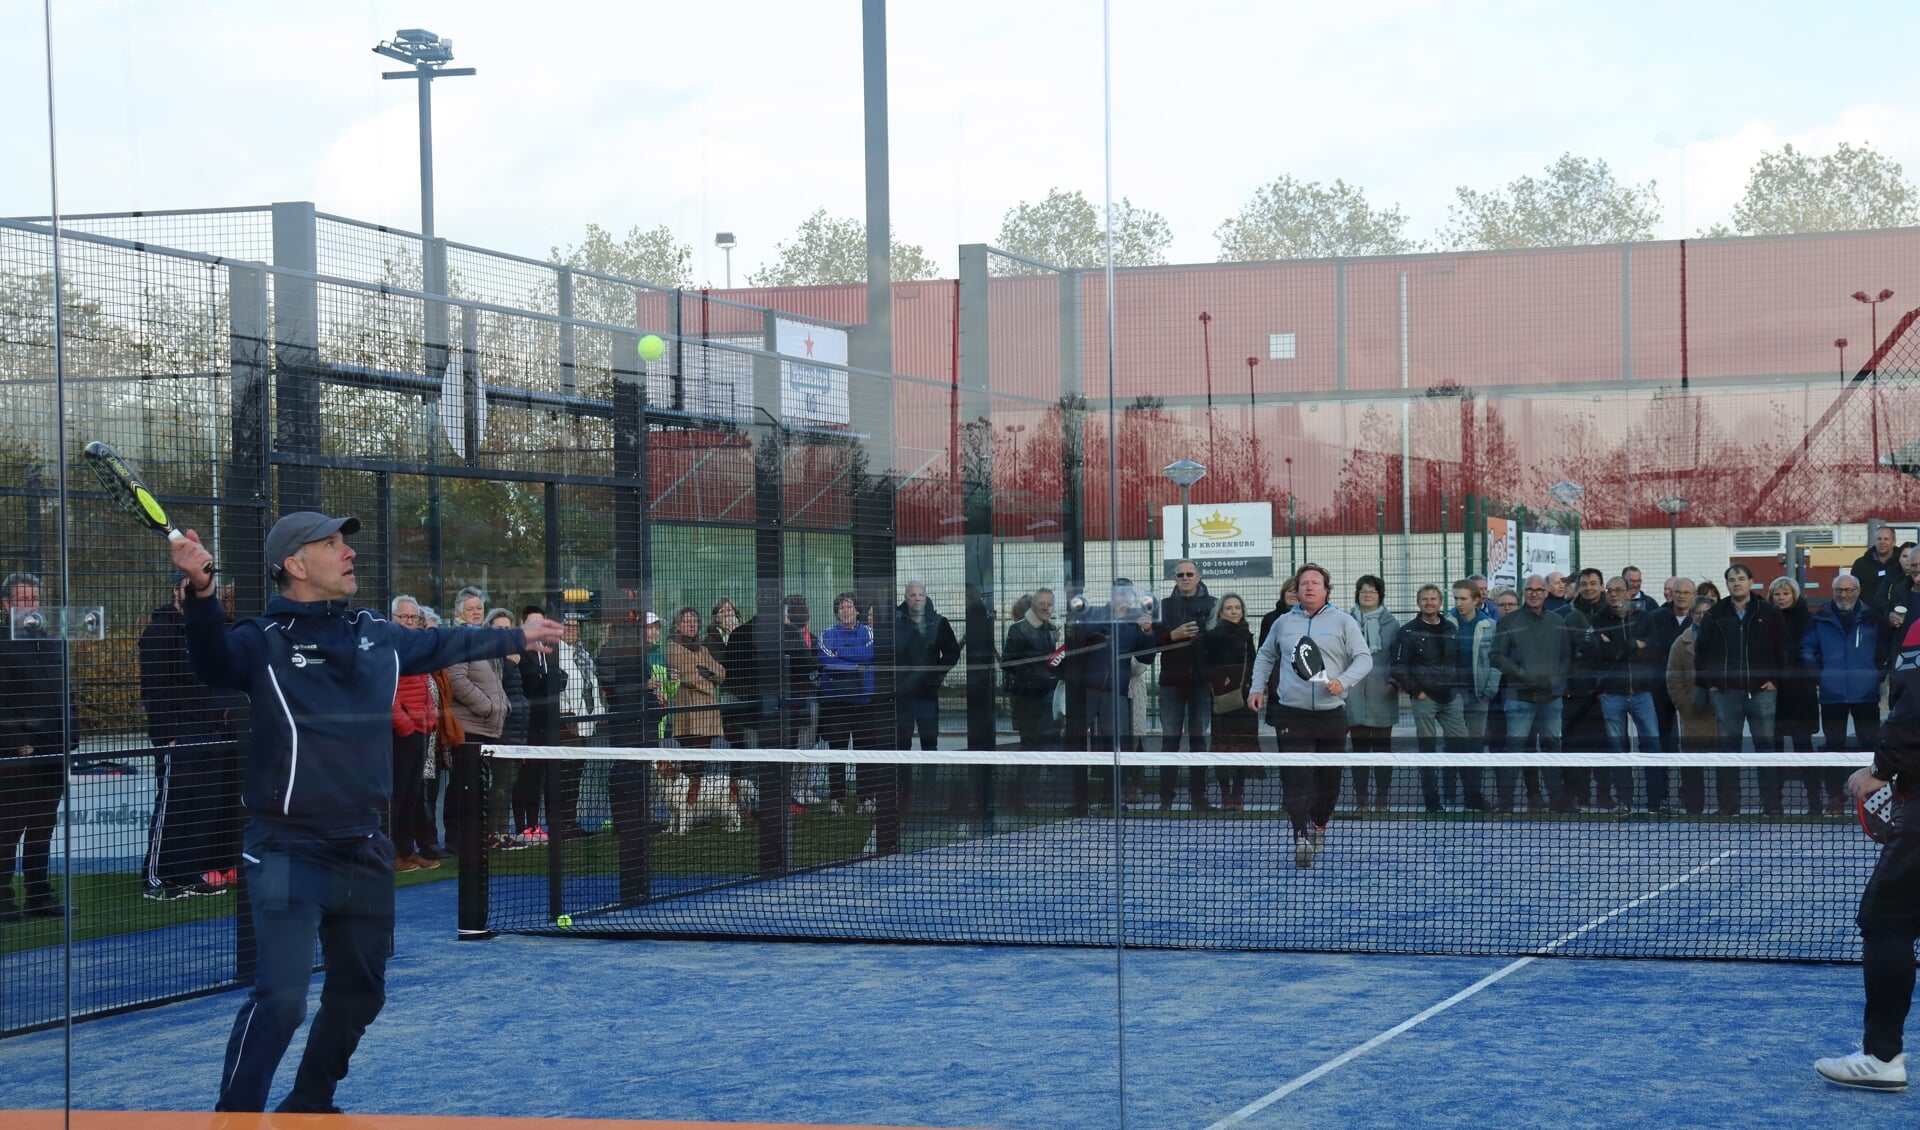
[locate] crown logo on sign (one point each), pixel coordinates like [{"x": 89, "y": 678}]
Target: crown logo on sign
[{"x": 1217, "y": 526}]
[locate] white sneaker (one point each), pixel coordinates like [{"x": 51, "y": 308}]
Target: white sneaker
[
  {"x": 1317, "y": 836},
  {"x": 836, "y": 808},
  {"x": 1869, "y": 1073},
  {"x": 1302, "y": 852},
  {"x": 867, "y": 806}
]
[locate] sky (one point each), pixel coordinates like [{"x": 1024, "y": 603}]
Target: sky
[{"x": 745, "y": 115}]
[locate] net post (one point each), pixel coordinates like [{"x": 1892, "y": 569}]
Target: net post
[
  {"x": 631, "y": 803},
  {"x": 556, "y": 838},
  {"x": 773, "y": 819},
  {"x": 468, "y": 803},
  {"x": 886, "y": 807}
]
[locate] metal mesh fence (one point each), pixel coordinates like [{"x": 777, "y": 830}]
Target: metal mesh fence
[
  {"x": 229, "y": 233},
  {"x": 1389, "y": 414}
]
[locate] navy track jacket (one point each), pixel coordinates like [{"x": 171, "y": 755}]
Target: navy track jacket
[{"x": 322, "y": 678}]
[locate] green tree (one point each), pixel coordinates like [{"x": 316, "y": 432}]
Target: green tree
[
  {"x": 1066, "y": 230},
  {"x": 1576, "y": 202},
  {"x": 827, "y": 250},
  {"x": 651, "y": 256},
  {"x": 1850, "y": 189},
  {"x": 1289, "y": 219}
]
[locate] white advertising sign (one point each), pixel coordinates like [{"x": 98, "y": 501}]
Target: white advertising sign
[
  {"x": 813, "y": 385},
  {"x": 1225, "y": 539}
]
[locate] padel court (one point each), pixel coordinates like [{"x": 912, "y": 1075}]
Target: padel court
[{"x": 1029, "y": 1036}]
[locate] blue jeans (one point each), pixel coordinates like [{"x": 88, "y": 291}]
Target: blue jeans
[
  {"x": 1187, "y": 710},
  {"x": 1616, "y": 709},
  {"x": 1753, "y": 710},
  {"x": 1525, "y": 720},
  {"x": 342, "y": 893}
]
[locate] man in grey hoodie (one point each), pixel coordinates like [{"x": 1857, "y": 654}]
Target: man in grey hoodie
[{"x": 1309, "y": 712}]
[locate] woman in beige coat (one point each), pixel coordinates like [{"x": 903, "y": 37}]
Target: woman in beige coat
[
  {"x": 480, "y": 706},
  {"x": 699, "y": 676},
  {"x": 1698, "y": 730}
]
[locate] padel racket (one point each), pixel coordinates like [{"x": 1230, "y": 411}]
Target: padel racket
[
  {"x": 1308, "y": 662},
  {"x": 1877, "y": 816},
  {"x": 129, "y": 493}
]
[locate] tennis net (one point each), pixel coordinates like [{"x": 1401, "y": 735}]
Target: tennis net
[{"x": 1730, "y": 856}]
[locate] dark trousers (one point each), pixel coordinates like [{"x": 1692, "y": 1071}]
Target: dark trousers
[
  {"x": 843, "y": 724},
  {"x": 1039, "y": 730},
  {"x": 1866, "y": 735},
  {"x": 1583, "y": 729},
  {"x": 1310, "y": 790},
  {"x": 466, "y": 801},
  {"x": 425, "y": 822},
  {"x": 1889, "y": 921},
  {"x": 193, "y": 798},
  {"x": 529, "y": 786},
  {"x": 29, "y": 799},
  {"x": 1185, "y": 710},
  {"x": 1668, "y": 718},
  {"x": 409, "y": 835},
  {"x": 916, "y": 714},
  {"x": 1371, "y": 739},
  {"x": 342, "y": 893},
  {"x": 1693, "y": 782},
  {"x": 1797, "y": 737}
]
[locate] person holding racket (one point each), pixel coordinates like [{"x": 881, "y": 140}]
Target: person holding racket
[
  {"x": 1889, "y": 917},
  {"x": 1319, "y": 651},
  {"x": 322, "y": 677}
]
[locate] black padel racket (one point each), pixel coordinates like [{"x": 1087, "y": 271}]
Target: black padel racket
[
  {"x": 1877, "y": 815},
  {"x": 129, "y": 493}
]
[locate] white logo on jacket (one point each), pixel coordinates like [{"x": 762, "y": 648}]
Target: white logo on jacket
[{"x": 365, "y": 644}]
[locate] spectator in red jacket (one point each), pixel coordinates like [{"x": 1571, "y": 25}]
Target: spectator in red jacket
[{"x": 414, "y": 717}]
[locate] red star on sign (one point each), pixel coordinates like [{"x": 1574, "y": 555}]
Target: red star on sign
[{"x": 809, "y": 344}]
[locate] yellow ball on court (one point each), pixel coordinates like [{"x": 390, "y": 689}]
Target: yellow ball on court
[
  {"x": 652, "y": 348},
  {"x": 564, "y": 921}
]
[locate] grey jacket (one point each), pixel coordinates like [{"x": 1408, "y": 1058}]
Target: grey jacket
[
  {"x": 1341, "y": 643},
  {"x": 1369, "y": 702}
]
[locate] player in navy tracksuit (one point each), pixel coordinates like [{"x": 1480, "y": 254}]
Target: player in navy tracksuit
[
  {"x": 319, "y": 776},
  {"x": 1889, "y": 917}
]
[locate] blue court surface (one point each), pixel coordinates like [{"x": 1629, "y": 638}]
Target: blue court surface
[
  {"x": 1668, "y": 888},
  {"x": 1005, "y": 1037}
]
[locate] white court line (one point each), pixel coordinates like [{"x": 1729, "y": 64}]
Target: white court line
[{"x": 1414, "y": 1021}]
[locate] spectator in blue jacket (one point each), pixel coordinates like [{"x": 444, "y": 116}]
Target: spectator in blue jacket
[
  {"x": 1847, "y": 642},
  {"x": 319, "y": 777},
  {"x": 846, "y": 700}
]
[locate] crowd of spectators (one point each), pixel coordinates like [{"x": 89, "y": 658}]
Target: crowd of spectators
[{"x": 1561, "y": 667}]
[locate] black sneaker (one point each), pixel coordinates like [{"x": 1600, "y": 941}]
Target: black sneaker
[
  {"x": 47, "y": 909},
  {"x": 201, "y": 887},
  {"x": 165, "y": 892},
  {"x": 10, "y": 913}
]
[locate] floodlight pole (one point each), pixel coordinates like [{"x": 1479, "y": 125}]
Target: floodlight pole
[
  {"x": 423, "y": 72},
  {"x": 1673, "y": 504},
  {"x": 1185, "y": 472}
]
